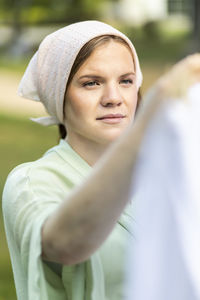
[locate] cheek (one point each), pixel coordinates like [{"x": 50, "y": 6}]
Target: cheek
[
  {"x": 132, "y": 101},
  {"x": 75, "y": 106}
]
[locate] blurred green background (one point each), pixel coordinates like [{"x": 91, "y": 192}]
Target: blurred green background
[{"x": 161, "y": 36}]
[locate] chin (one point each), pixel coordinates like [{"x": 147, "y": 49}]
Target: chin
[{"x": 111, "y": 136}]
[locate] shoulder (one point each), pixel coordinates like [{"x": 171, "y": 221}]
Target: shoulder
[
  {"x": 45, "y": 171},
  {"x": 34, "y": 169},
  {"x": 32, "y": 188},
  {"x": 53, "y": 175},
  {"x": 52, "y": 163},
  {"x": 27, "y": 176}
]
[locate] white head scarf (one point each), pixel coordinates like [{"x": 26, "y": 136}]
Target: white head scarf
[{"x": 46, "y": 76}]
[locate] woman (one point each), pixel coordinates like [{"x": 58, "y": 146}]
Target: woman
[
  {"x": 66, "y": 223},
  {"x": 67, "y": 215}
]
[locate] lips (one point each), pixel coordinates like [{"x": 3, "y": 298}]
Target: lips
[{"x": 111, "y": 116}]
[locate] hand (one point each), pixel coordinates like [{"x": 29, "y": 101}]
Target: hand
[{"x": 175, "y": 83}]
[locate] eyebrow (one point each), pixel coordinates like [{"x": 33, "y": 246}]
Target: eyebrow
[
  {"x": 90, "y": 76},
  {"x": 93, "y": 76},
  {"x": 128, "y": 74}
]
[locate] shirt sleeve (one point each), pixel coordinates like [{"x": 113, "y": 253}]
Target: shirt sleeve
[{"x": 25, "y": 212}]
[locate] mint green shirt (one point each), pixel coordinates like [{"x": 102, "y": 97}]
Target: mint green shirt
[{"x": 32, "y": 192}]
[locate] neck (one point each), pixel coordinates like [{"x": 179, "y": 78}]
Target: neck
[{"x": 90, "y": 151}]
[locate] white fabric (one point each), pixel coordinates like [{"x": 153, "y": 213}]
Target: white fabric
[
  {"x": 46, "y": 76},
  {"x": 164, "y": 260}
]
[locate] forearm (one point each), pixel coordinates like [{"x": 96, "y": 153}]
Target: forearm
[{"x": 86, "y": 218}]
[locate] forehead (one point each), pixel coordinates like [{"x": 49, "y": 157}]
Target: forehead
[{"x": 110, "y": 54}]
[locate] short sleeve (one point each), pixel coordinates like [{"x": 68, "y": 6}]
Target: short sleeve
[{"x": 25, "y": 212}]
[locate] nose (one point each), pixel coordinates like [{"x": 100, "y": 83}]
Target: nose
[{"x": 111, "y": 96}]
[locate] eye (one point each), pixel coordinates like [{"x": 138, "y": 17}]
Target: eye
[
  {"x": 126, "y": 81},
  {"x": 90, "y": 83}
]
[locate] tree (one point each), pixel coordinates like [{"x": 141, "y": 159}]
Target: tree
[
  {"x": 22, "y": 13},
  {"x": 196, "y": 26},
  {"x": 13, "y": 17}
]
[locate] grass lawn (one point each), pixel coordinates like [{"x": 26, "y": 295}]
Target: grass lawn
[{"x": 21, "y": 140}]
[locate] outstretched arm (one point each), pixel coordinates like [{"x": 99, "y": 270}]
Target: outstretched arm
[{"x": 85, "y": 219}]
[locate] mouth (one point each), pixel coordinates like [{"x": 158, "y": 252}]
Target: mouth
[{"x": 111, "y": 118}]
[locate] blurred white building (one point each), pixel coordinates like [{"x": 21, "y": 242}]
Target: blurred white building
[{"x": 137, "y": 12}]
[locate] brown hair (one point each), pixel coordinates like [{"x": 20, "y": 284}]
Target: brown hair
[{"x": 83, "y": 54}]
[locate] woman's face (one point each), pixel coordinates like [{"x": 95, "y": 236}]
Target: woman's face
[{"x": 102, "y": 96}]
